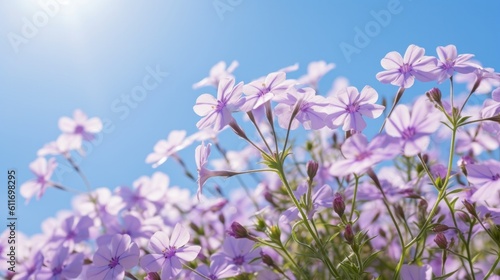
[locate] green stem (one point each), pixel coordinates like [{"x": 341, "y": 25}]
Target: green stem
[
  {"x": 492, "y": 269},
  {"x": 326, "y": 258}
]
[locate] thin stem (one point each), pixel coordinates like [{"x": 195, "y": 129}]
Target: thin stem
[
  {"x": 399, "y": 94},
  {"x": 353, "y": 202},
  {"x": 451, "y": 91},
  {"x": 326, "y": 258},
  {"x": 465, "y": 102},
  {"x": 493, "y": 267},
  {"x": 252, "y": 119}
]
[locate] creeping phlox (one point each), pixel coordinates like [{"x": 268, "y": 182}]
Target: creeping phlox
[{"x": 340, "y": 186}]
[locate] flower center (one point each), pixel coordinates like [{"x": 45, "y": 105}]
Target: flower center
[
  {"x": 56, "y": 270},
  {"x": 114, "y": 262},
  {"x": 495, "y": 177},
  {"x": 79, "y": 129},
  {"x": 169, "y": 252},
  {"x": 213, "y": 277},
  {"x": 220, "y": 105},
  {"x": 239, "y": 260},
  {"x": 352, "y": 108},
  {"x": 363, "y": 155},
  {"x": 408, "y": 133},
  {"x": 41, "y": 180},
  {"x": 405, "y": 68}
]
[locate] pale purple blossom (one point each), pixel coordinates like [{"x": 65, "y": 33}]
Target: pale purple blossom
[
  {"x": 61, "y": 265},
  {"x": 112, "y": 260},
  {"x": 146, "y": 192},
  {"x": 307, "y": 107},
  {"x": 413, "y": 129},
  {"x": 43, "y": 170},
  {"x": 402, "y": 72},
  {"x": 349, "y": 106},
  {"x": 491, "y": 108},
  {"x": 360, "y": 154},
  {"x": 217, "y": 73},
  {"x": 485, "y": 177},
  {"x": 475, "y": 140},
  {"x": 165, "y": 148},
  {"x": 414, "y": 272},
  {"x": 129, "y": 225},
  {"x": 261, "y": 91},
  {"x": 315, "y": 71},
  {"x": 322, "y": 197},
  {"x": 72, "y": 230},
  {"x": 241, "y": 253},
  {"x": 449, "y": 62},
  {"x": 482, "y": 80},
  {"x": 29, "y": 269},
  {"x": 77, "y": 129},
  {"x": 216, "y": 113},
  {"x": 167, "y": 253},
  {"x": 219, "y": 269}
]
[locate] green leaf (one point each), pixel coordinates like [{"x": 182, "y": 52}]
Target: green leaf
[{"x": 446, "y": 276}]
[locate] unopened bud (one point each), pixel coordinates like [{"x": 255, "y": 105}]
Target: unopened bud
[
  {"x": 237, "y": 129},
  {"x": 399, "y": 211},
  {"x": 434, "y": 95},
  {"x": 266, "y": 259},
  {"x": 470, "y": 207},
  {"x": 339, "y": 205},
  {"x": 441, "y": 241},
  {"x": 349, "y": 235},
  {"x": 440, "y": 228},
  {"x": 222, "y": 219},
  {"x": 312, "y": 169},
  {"x": 238, "y": 231},
  {"x": 152, "y": 276},
  {"x": 275, "y": 233},
  {"x": 464, "y": 217}
]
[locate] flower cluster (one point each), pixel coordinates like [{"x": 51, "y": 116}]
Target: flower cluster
[{"x": 343, "y": 202}]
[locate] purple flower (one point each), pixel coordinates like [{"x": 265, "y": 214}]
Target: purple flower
[
  {"x": 130, "y": 225},
  {"x": 111, "y": 261},
  {"x": 77, "y": 129},
  {"x": 486, "y": 178},
  {"x": 315, "y": 71},
  {"x": 73, "y": 230},
  {"x": 410, "y": 272},
  {"x": 167, "y": 253},
  {"x": 219, "y": 269},
  {"x": 239, "y": 252},
  {"x": 361, "y": 155},
  {"x": 349, "y": 106},
  {"x": 261, "y": 91},
  {"x": 321, "y": 198},
  {"x": 491, "y": 108},
  {"x": 201, "y": 157},
  {"x": 307, "y": 107},
  {"x": 402, "y": 72},
  {"x": 30, "y": 268},
  {"x": 43, "y": 170},
  {"x": 163, "y": 149},
  {"x": 449, "y": 62},
  {"x": 475, "y": 140},
  {"x": 146, "y": 192},
  {"x": 217, "y": 73},
  {"x": 216, "y": 113},
  {"x": 60, "y": 265},
  {"x": 481, "y": 81},
  {"x": 413, "y": 129}
]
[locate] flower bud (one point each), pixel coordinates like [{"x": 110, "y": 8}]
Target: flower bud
[
  {"x": 349, "y": 234},
  {"x": 266, "y": 259},
  {"x": 339, "y": 205},
  {"x": 470, "y": 208},
  {"x": 312, "y": 169},
  {"x": 440, "y": 228},
  {"x": 441, "y": 241},
  {"x": 275, "y": 233},
  {"x": 238, "y": 231},
  {"x": 434, "y": 95},
  {"x": 399, "y": 211},
  {"x": 152, "y": 276}
]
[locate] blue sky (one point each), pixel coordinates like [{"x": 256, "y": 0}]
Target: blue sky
[{"x": 89, "y": 54}]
